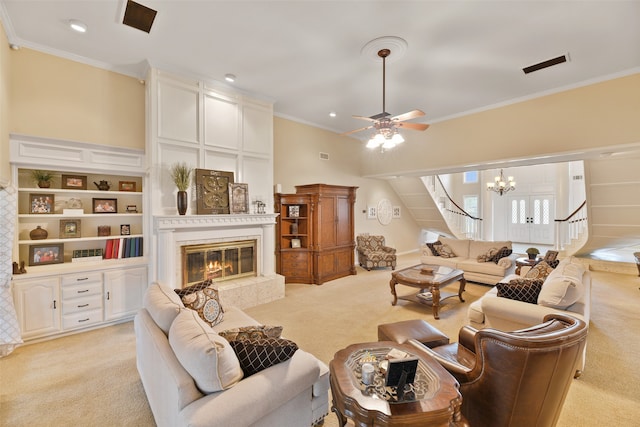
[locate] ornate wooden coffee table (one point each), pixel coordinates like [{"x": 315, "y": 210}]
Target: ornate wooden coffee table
[
  {"x": 434, "y": 399},
  {"x": 418, "y": 277}
]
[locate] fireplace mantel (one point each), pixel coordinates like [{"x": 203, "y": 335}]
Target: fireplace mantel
[{"x": 174, "y": 231}]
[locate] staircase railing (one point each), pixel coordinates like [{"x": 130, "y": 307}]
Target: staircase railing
[
  {"x": 459, "y": 221},
  {"x": 571, "y": 227}
]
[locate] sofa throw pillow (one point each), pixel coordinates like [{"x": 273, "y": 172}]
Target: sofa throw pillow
[
  {"x": 162, "y": 304},
  {"x": 205, "y": 355},
  {"x": 444, "y": 251},
  {"x": 251, "y": 332},
  {"x": 204, "y": 300},
  {"x": 539, "y": 271},
  {"x": 258, "y": 354},
  {"x": 525, "y": 290},
  {"x": 501, "y": 253},
  {"x": 563, "y": 287},
  {"x": 487, "y": 256},
  {"x": 432, "y": 248}
]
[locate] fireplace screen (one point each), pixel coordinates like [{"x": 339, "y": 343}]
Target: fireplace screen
[{"x": 218, "y": 261}]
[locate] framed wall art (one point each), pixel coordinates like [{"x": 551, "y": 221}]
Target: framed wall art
[
  {"x": 101, "y": 205},
  {"x": 212, "y": 191},
  {"x": 69, "y": 228},
  {"x": 48, "y": 253},
  {"x": 239, "y": 194},
  {"x": 127, "y": 186},
  {"x": 125, "y": 229},
  {"x": 74, "y": 182},
  {"x": 41, "y": 203}
]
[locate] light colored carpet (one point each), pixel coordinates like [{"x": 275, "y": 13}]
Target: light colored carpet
[{"x": 90, "y": 379}]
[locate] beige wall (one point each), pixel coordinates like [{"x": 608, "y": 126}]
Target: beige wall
[
  {"x": 602, "y": 114},
  {"x": 297, "y": 161},
  {"x": 48, "y": 96},
  {"x": 5, "y": 173}
]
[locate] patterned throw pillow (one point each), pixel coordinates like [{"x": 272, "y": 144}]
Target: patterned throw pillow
[
  {"x": 203, "y": 298},
  {"x": 488, "y": 256},
  {"x": 526, "y": 290},
  {"x": 444, "y": 251},
  {"x": 431, "y": 247},
  {"x": 502, "y": 252},
  {"x": 251, "y": 332},
  {"x": 540, "y": 271},
  {"x": 258, "y": 354}
]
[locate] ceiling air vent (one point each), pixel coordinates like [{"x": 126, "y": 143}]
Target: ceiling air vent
[
  {"x": 545, "y": 64},
  {"x": 138, "y": 16},
  {"x": 324, "y": 156}
]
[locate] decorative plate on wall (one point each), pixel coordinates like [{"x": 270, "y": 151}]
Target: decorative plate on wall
[{"x": 385, "y": 212}]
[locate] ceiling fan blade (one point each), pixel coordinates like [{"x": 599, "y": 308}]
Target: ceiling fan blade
[
  {"x": 356, "y": 130},
  {"x": 414, "y": 126},
  {"x": 408, "y": 116},
  {"x": 364, "y": 118}
]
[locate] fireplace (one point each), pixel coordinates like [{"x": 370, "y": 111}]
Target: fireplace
[
  {"x": 244, "y": 283},
  {"x": 218, "y": 261}
]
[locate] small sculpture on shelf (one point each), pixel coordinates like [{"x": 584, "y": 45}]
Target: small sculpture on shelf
[{"x": 103, "y": 185}]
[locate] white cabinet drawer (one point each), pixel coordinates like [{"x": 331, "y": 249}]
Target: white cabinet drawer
[
  {"x": 82, "y": 304},
  {"x": 81, "y": 319},
  {"x": 81, "y": 290},
  {"x": 76, "y": 279}
]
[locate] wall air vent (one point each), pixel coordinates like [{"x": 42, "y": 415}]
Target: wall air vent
[
  {"x": 545, "y": 64},
  {"x": 138, "y": 16},
  {"x": 324, "y": 156}
]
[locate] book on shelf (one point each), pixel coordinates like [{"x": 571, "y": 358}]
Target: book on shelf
[{"x": 123, "y": 247}]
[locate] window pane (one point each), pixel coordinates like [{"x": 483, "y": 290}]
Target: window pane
[{"x": 470, "y": 177}]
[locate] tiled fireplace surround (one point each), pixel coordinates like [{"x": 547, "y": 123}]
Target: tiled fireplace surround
[{"x": 173, "y": 232}]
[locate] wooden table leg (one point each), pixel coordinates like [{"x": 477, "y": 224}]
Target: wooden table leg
[
  {"x": 435, "y": 299},
  {"x": 392, "y": 284},
  {"x": 463, "y": 283}
]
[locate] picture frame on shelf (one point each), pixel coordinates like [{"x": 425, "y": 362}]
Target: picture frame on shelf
[
  {"x": 132, "y": 209},
  {"x": 212, "y": 191},
  {"x": 127, "y": 186},
  {"x": 74, "y": 182},
  {"x": 125, "y": 229},
  {"x": 46, "y": 253},
  {"x": 239, "y": 194},
  {"x": 42, "y": 203},
  {"x": 295, "y": 243},
  {"x": 104, "y": 206},
  {"x": 104, "y": 230},
  {"x": 294, "y": 211},
  {"x": 70, "y": 228}
]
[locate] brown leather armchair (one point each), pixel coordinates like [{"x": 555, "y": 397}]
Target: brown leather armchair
[
  {"x": 518, "y": 378},
  {"x": 372, "y": 252}
]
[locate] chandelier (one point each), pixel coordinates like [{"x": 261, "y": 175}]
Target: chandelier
[
  {"x": 386, "y": 135},
  {"x": 501, "y": 185}
]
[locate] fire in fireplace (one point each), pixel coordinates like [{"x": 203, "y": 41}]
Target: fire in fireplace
[{"x": 218, "y": 261}]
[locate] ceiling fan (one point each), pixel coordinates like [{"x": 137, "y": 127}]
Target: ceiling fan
[{"x": 387, "y": 127}]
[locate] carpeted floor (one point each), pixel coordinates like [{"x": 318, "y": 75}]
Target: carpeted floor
[{"x": 90, "y": 379}]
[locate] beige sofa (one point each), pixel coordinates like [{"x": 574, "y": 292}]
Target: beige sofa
[
  {"x": 294, "y": 392},
  {"x": 570, "y": 282},
  {"x": 467, "y": 252}
]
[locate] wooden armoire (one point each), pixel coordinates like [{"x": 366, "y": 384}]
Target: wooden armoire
[{"x": 321, "y": 245}]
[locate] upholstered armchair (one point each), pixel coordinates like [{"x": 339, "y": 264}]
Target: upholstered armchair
[
  {"x": 372, "y": 252},
  {"x": 516, "y": 378}
]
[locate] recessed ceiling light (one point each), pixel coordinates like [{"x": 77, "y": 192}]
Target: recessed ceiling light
[
  {"x": 230, "y": 78},
  {"x": 332, "y": 114},
  {"x": 78, "y": 26}
]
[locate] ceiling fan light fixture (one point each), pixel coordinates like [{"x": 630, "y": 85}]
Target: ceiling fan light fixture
[{"x": 397, "y": 138}]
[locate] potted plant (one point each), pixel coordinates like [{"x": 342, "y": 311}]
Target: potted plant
[
  {"x": 181, "y": 175},
  {"x": 42, "y": 178},
  {"x": 532, "y": 253}
]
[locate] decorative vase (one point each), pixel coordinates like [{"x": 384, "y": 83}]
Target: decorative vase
[
  {"x": 532, "y": 256},
  {"x": 294, "y": 228},
  {"x": 38, "y": 233},
  {"x": 44, "y": 184},
  {"x": 182, "y": 202}
]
